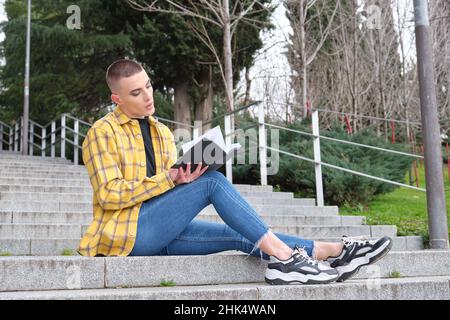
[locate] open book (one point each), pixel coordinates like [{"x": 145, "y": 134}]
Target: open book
[{"x": 209, "y": 149}]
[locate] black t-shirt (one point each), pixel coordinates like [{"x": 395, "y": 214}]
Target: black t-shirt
[{"x": 149, "y": 152}]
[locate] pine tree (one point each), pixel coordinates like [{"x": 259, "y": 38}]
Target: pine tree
[{"x": 67, "y": 66}]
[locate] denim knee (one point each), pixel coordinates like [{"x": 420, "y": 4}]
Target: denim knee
[{"x": 215, "y": 175}]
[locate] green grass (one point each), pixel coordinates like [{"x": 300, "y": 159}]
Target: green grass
[
  {"x": 406, "y": 208},
  {"x": 395, "y": 274},
  {"x": 167, "y": 283},
  {"x": 5, "y": 254},
  {"x": 67, "y": 252}
]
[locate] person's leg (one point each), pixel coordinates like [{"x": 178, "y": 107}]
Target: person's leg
[
  {"x": 325, "y": 250},
  {"x": 164, "y": 217},
  {"x": 203, "y": 237}
]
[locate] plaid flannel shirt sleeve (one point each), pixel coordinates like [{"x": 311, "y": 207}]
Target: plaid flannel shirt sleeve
[
  {"x": 113, "y": 192},
  {"x": 172, "y": 148}
]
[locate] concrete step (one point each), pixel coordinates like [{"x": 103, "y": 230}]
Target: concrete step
[
  {"x": 65, "y": 206},
  {"x": 65, "y": 182},
  {"x": 46, "y": 176},
  {"x": 400, "y": 243},
  {"x": 32, "y": 160},
  {"x": 285, "y": 210},
  {"x": 415, "y": 288},
  {"x": 39, "y": 231},
  {"x": 62, "y": 273},
  {"x": 61, "y": 182},
  {"x": 18, "y": 167},
  {"x": 78, "y": 174},
  {"x": 87, "y": 197},
  {"x": 43, "y": 188},
  {"x": 51, "y": 247},
  {"x": 15, "y": 189},
  {"x": 298, "y": 220},
  {"x": 86, "y": 218}
]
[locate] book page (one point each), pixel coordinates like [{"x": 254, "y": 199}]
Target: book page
[{"x": 214, "y": 135}]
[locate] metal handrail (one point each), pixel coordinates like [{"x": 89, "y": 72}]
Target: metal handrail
[
  {"x": 79, "y": 133},
  {"x": 176, "y": 122},
  {"x": 347, "y": 170},
  {"x": 80, "y": 121},
  {"x": 5, "y": 125},
  {"x": 230, "y": 132},
  {"x": 348, "y": 142},
  {"x": 36, "y": 124},
  {"x": 61, "y": 130},
  {"x": 232, "y": 112},
  {"x": 367, "y": 117}
]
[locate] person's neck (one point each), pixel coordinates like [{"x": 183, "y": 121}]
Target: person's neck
[{"x": 130, "y": 116}]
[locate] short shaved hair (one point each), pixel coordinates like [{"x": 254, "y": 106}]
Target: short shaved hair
[{"x": 120, "y": 69}]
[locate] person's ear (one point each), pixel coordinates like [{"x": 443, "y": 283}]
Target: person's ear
[{"x": 116, "y": 99}]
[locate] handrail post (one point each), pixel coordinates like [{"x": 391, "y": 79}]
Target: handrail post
[
  {"x": 1, "y": 136},
  {"x": 43, "y": 146},
  {"x": 31, "y": 140},
  {"x": 197, "y": 130},
  {"x": 262, "y": 145},
  {"x": 229, "y": 163},
  {"x": 76, "y": 128},
  {"x": 317, "y": 158},
  {"x": 63, "y": 136},
  {"x": 11, "y": 138},
  {"x": 16, "y": 137},
  {"x": 53, "y": 139}
]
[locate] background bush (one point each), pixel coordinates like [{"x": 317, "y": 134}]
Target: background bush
[{"x": 340, "y": 187}]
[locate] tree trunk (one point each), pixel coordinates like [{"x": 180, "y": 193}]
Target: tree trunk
[
  {"x": 204, "y": 110},
  {"x": 303, "y": 57},
  {"x": 248, "y": 86},
  {"x": 182, "y": 110}
]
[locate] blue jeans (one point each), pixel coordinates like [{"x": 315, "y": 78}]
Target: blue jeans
[{"x": 166, "y": 224}]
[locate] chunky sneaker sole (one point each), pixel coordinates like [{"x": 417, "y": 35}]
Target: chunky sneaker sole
[
  {"x": 381, "y": 248},
  {"x": 275, "y": 277},
  {"x": 299, "y": 269}
]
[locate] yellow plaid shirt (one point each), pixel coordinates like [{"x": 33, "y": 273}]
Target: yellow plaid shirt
[{"x": 114, "y": 155}]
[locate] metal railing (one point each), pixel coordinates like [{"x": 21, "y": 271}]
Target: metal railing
[
  {"x": 318, "y": 163},
  {"x": 54, "y": 137},
  {"x": 60, "y": 134}
]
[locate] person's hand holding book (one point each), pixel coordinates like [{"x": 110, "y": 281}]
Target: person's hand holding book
[{"x": 180, "y": 176}]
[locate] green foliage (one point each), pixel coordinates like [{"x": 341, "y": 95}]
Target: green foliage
[
  {"x": 167, "y": 283},
  {"x": 395, "y": 274},
  {"x": 340, "y": 187},
  {"x": 67, "y": 66},
  {"x": 373, "y": 162},
  {"x": 405, "y": 208},
  {"x": 67, "y": 252}
]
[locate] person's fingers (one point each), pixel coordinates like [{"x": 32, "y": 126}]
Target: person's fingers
[
  {"x": 197, "y": 170},
  {"x": 188, "y": 169},
  {"x": 181, "y": 177},
  {"x": 203, "y": 170}
]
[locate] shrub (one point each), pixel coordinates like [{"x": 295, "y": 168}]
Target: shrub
[{"x": 340, "y": 187}]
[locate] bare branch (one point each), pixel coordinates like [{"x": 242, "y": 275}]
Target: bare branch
[{"x": 180, "y": 9}]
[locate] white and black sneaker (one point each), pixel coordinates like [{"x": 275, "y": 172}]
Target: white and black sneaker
[
  {"x": 358, "y": 253},
  {"x": 299, "y": 269}
]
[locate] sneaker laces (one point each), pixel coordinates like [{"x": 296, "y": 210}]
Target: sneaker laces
[
  {"x": 303, "y": 254},
  {"x": 359, "y": 240}
]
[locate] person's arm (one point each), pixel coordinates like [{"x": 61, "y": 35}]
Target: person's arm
[{"x": 113, "y": 191}]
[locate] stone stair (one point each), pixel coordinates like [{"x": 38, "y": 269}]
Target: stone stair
[{"x": 46, "y": 205}]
